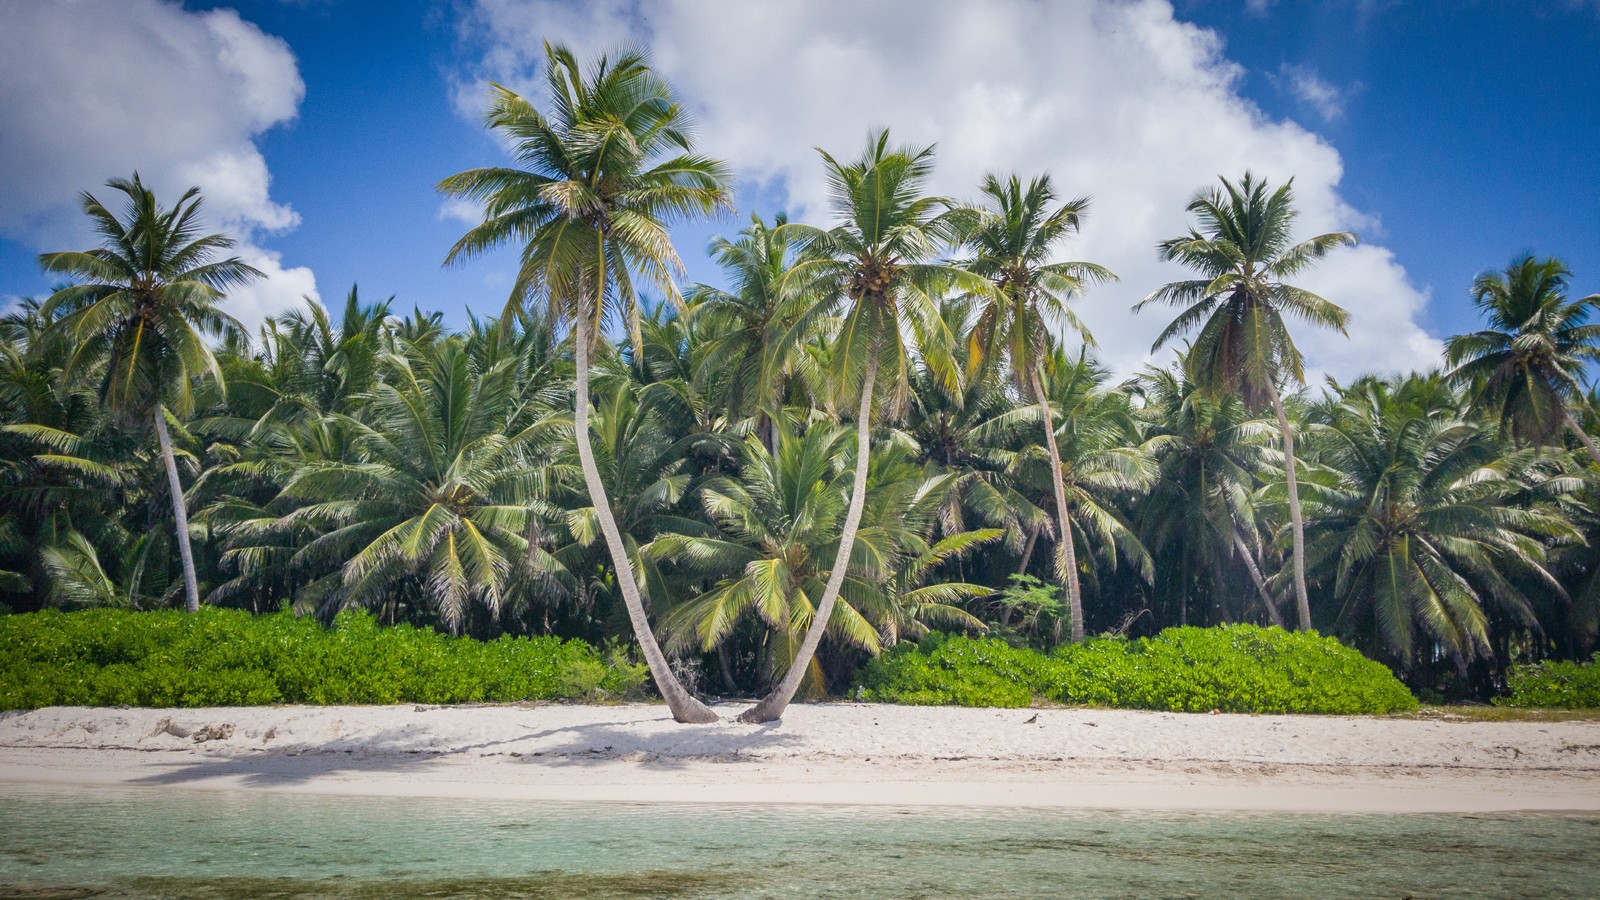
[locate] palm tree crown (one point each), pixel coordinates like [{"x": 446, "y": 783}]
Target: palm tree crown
[
  {"x": 596, "y": 191},
  {"x": 143, "y": 303},
  {"x": 1243, "y": 248},
  {"x": 1529, "y": 364}
]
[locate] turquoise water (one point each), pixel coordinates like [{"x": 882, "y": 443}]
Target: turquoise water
[{"x": 136, "y": 843}]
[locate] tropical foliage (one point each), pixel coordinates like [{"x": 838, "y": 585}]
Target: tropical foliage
[{"x": 868, "y": 431}]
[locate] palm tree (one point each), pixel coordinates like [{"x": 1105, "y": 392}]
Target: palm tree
[
  {"x": 1014, "y": 239},
  {"x": 779, "y": 520},
  {"x": 601, "y": 177},
  {"x": 1200, "y": 510},
  {"x": 438, "y": 502},
  {"x": 1420, "y": 519},
  {"x": 1243, "y": 248},
  {"x": 754, "y": 331},
  {"x": 1528, "y": 366},
  {"x": 141, "y": 307},
  {"x": 880, "y": 261},
  {"x": 1098, "y": 464}
]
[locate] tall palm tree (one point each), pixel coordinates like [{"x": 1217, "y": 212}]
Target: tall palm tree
[
  {"x": 1528, "y": 365},
  {"x": 601, "y": 177},
  {"x": 1099, "y": 463},
  {"x": 880, "y": 260},
  {"x": 141, "y": 306},
  {"x": 1014, "y": 238},
  {"x": 1244, "y": 250}
]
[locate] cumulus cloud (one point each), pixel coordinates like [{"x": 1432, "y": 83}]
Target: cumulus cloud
[
  {"x": 1117, "y": 100},
  {"x": 92, "y": 89}
]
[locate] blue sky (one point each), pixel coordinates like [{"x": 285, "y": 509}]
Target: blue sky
[{"x": 1451, "y": 136}]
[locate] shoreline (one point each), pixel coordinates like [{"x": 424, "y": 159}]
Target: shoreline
[{"x": 823, "y": 754}]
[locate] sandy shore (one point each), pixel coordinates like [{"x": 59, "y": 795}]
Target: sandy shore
[{"x": 828, "y": 753}]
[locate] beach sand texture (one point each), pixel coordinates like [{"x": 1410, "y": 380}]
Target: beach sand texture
[{"x": 824, "y": 753}]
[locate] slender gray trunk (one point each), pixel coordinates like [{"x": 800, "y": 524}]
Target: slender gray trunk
[
  {"x": 1267, "y": 602},
  {"x": 727, "y": 668},
  {"x": 1302, "y": 603},
  {"x": 1583, "y": 436},
  {"x": 191, "y": 585},
  {"x": 772, "y": 706},
  {"x": 1066, "y": 553},
  {"x": 685, "y": 708}
]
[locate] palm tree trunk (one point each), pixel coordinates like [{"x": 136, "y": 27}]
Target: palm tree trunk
[
  {"x": 1066, "y": 553},
  {"x": 1022, "y": 568},
  {"x": 1261, "y": 583},
  {"x": 772, "y": 706},
  {"x": 1583, "y": 436},
  {"x": 685, "y": 708},
  {"x": 1302, "y": 603},
  {"x": 191, "y": 585}
]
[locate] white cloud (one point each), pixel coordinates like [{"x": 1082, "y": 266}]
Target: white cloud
[
  {"x": 458, "y": 209},
  {"x": 1117, "y": 100},
  {"x": 94, "y": 89},
  {"x": 1311, "y": 90},
  {"x": 282, "y": 289}
]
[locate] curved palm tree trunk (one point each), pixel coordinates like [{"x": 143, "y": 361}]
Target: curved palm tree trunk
[
  {"x": 1066, "y": 553},
  {"x": 1302, "y": 603},
  {"x": 685, "y": 708},
  {"x": 772, "y": 706},
  {"x": 191, "y": 585},
  {"x": 1267, "y": 602},
  {"x": 1583, "y": 436}
]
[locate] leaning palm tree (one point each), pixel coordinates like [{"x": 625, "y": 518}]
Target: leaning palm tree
[
  {"x": 1528, "y": 365},
  {"x": 1014, "y": 238},
  {"x": 880, "y": 260},
  {"x": 141, "y": 306},
  {"x": 1244, "y": 250},
  {"x": 601, "y": 176}
]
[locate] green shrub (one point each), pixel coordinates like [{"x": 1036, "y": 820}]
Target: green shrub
[
  {"x": 1557, "y": 685},
  {"x": 1235, "y": 668},
  {"x": 220, "y": 657}
]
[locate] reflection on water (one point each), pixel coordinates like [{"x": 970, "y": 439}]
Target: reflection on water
[{"x": 133, "y": 843}]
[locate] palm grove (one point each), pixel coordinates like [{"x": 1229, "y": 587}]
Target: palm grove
[{"x": 890, "y": 423}]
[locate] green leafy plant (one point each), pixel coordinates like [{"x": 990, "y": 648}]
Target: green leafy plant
[
  {"x": 1554, "y": 684},
  {"x": 1236, "y": 668},
  {"x": 219, "y": 657}
]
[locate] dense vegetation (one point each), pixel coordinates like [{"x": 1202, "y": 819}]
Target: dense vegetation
[
  {"x": 1562, "y": 684},
  {"x": 222, "y": 657},
  {"x": 1234, "y": 668},
  {"x": 884, "y": 420}
]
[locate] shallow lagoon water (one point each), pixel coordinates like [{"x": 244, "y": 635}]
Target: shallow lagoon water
[{"x": 131, "y": 842}]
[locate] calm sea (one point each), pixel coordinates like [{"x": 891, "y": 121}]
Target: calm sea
[{"x": 147, "y": 843}]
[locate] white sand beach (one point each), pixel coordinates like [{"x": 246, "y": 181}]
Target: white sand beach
[{"x": 824, "y": 753}]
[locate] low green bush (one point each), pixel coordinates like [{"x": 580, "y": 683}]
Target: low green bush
[
  {"x": 221, "y": 657},
  {"x": 1235, "y": 668},
  {"x": 1554, "y": 685}
]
